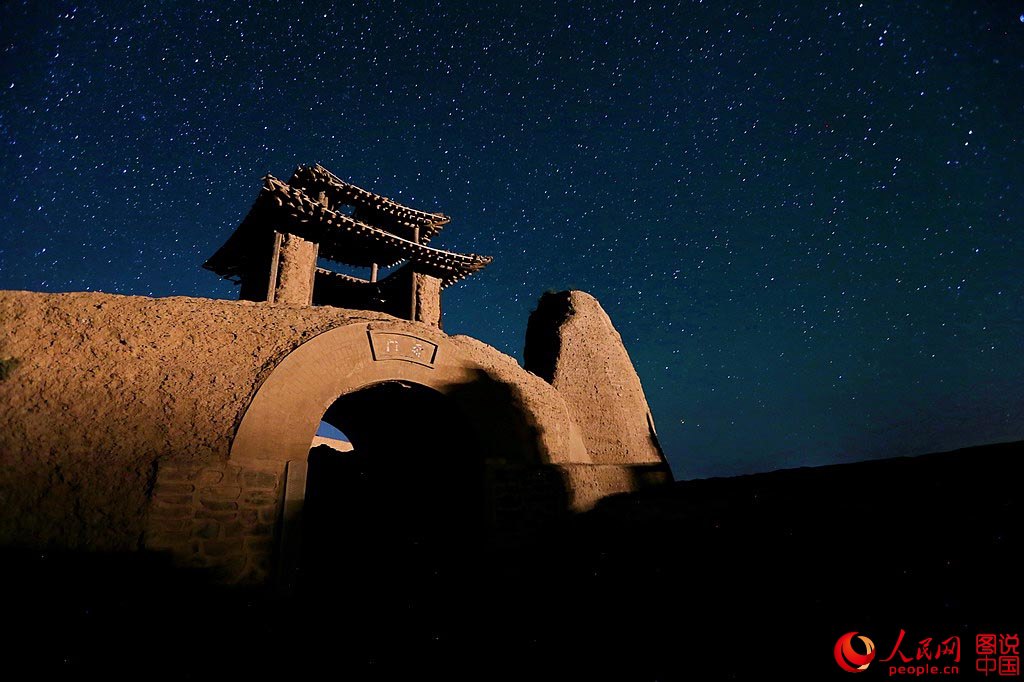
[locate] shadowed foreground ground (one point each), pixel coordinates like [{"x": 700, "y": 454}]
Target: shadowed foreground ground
[{"x": 740, "y": 578}]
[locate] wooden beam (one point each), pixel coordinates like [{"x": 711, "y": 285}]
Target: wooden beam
[{"x": 275, "y": 261}]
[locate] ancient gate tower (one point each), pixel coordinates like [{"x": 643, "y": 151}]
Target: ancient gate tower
[
  {"x": 184, "y": 426},
  {"x": 274, "y": 252}
]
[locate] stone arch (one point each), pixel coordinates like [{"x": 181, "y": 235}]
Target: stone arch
[{"x": 523, "y": 419}]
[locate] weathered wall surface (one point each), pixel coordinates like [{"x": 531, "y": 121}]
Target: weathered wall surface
[
  {"x": 99, "y": 388},
  {"x": 571, "y": 342},
  {"x": 167, "y": 423},
  {"x": 98, "y": 391}
]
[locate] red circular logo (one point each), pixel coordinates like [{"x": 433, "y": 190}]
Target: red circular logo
[{"x": 851, "y": 660}]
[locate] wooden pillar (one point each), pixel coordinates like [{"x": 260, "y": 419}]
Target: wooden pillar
[{"x": 373, "y": 272}]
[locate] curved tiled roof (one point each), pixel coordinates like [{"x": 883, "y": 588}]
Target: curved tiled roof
[
  {"x": 341, "y": 238},
  {"x": 370, "y": 207}
]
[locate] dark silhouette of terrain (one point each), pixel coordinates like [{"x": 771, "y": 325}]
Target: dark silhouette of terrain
[{"x": 752, "y": 577}]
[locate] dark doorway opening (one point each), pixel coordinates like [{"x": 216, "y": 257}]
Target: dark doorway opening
[{"x": 392, "y": 525}]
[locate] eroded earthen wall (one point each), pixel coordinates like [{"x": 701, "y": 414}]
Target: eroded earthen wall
[
  {"x": 121, "y": 418},
  {"x": 571, "y": 343},
  {"x": 102, "y": 388}
]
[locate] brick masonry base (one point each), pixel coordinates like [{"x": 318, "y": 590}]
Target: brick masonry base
[
  {"x": 226, "y": 519},
  {"x": 217, "y": 516}
]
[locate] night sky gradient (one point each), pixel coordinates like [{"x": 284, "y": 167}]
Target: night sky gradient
[{"x": 805, "y": 221}]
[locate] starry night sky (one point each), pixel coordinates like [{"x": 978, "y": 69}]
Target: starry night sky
[{"x": 804, "y": 221}]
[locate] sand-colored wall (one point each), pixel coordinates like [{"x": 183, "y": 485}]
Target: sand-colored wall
[
  {"x": 97, "y": 390},
  {"x": 571, "y": 343},
  {"x": 101, "y": 387}
]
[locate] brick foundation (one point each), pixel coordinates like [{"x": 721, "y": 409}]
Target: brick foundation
[{"x": 217, "y": 516}]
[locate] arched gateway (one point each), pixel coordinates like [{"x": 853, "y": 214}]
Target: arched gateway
[
  {"x": 511, "y": 432},
  {"x": 282, "y": 419}
]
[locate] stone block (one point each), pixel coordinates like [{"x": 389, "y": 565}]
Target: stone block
[
  {"x": 260, "y": 479},
  {"x": 167, "y": 488},
  {"x": 223, "y": 516},
  {"x": 236, "y": 529},
  {"x": 218, "y": 505},
  {"x": 166, "y": 500},
  {"x": 220, "y": 492},
  {"x": 170, "y": 474},
  {"x": 259, "y": 498},
  {"x": 170, "y": 512},
  {"x": 209, "y": 477}
]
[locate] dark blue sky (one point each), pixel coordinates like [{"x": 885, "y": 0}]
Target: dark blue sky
[{"x": 805, "y": 221}]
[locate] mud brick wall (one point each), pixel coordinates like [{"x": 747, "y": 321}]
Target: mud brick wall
[{"x": 217, "y": 516}]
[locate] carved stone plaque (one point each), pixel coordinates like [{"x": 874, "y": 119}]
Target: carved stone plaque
[{"x": 396, "y": 346}]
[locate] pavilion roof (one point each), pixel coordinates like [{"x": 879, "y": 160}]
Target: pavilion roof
[
  {"x": 342, "y": 238},
  {"x": 370, "y": 208}
]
